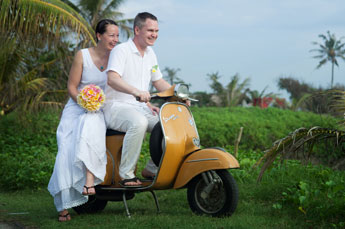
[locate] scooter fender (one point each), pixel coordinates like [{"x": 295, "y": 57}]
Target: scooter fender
[{"x": 201, "y": 161}]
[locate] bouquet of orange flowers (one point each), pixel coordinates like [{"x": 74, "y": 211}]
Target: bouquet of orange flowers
[{"x": 91, "y": 98}]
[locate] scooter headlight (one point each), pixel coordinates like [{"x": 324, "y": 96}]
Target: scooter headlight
[{"x": 182, "y": 91}]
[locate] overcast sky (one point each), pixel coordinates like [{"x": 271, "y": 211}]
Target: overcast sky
[{"x": 261, "y": 40}]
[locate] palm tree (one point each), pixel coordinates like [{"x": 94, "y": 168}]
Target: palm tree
[
  {"x": 29, "y": 78},
  {"x": 171, "y": 75},
  {"x": 234, "y": 92},
  {"x": 218, "y": 89},
  {"x": 28, "y": 29},
  {"x": 95, "y": 10},
  {"x": 329, "y": 50}
]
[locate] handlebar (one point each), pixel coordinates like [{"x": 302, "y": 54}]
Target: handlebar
[{"x": 153, "y": 96}]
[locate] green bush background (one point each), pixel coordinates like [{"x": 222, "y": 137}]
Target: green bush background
[{"x": 28, "y": 146}]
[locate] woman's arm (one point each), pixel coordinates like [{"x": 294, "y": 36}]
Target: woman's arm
[{"x": 74, "y": 77}]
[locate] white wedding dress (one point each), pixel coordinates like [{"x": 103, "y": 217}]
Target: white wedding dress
[{"x": 81, "y": 144}]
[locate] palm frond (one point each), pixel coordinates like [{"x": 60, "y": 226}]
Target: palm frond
[
  {"x": 30, "y": 17},
  {"x": 294, "y": 141}
]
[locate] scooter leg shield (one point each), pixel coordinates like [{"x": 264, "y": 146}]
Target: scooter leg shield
[{"x": 201, "y": 161}]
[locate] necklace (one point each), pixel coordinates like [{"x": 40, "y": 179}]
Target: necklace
[{"x": 102, "y": 67}]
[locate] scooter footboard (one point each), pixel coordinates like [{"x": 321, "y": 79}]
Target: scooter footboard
[{"x": 201, "y": 161}]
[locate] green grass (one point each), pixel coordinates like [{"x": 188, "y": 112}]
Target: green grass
[{"x": 38, "y": 210}]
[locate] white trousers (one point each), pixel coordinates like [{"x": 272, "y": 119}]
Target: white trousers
[{"x": 135, "y": 121}]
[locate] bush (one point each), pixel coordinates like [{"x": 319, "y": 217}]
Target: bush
[
  {"x": 261, "y": 127},
  {"x": 317, "y": 192},
  {"x": 27, "y": 150}
]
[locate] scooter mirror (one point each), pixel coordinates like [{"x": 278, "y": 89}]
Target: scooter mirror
[{"x": 182, "y": 91}]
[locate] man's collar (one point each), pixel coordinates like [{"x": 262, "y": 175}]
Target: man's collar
[{"x": 134, "y": 47}]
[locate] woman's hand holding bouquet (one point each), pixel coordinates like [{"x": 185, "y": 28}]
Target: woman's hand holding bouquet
[{"x": 91, "y": 98}]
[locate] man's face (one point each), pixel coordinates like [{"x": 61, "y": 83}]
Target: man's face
[{"x": 148, "y": 34}]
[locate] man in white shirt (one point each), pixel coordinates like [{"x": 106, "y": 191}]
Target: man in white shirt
[{"x": 132, "y": 66}]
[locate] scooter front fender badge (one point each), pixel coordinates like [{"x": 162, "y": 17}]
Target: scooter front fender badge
[
  {"x": 173, "y": 117},
  {"x": 196, "y": 142}
]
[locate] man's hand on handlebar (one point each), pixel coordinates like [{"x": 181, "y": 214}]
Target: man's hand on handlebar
[
  {"x": 143, "y": 96},
  {"x": 188, "y": 102}
]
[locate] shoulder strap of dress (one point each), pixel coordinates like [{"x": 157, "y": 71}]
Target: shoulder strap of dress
[{"x": 87, "y": 61}]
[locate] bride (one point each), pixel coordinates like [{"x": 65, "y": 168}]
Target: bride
[{"x": 81, "y": 159}]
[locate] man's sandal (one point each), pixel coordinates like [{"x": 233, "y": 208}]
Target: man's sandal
[
  {"x": 64, "y": 218},
  {"x": 124, "y": 181},
  {"x": 87, "y": 193}
]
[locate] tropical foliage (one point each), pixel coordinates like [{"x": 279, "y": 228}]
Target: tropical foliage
[
  {"x": 170, "y": 74},
  {"x": 328, "y": 51},
  {"x": 302, "y": 138},
  {"x": 37, "y": 50},
  {"x": 232, "y": 94},
  {"x": 338, "y": 105},
  {"x": 31, "y": 78},
  {"x": 95, "y": 10},
  {"x": 35, "y": 20},
  {"x": 306, "y": 97}
]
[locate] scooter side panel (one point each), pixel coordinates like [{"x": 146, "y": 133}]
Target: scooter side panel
[
  {"x": 201, "y": 161},
  {"x": 180, "y": 135},
  {"x": 114, "y": 146}
]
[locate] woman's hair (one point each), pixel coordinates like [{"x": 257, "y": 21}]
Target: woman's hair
[{"x": 101, "y": 26}]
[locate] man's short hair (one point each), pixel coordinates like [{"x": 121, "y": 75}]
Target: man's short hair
[{"x": 140, "y": 19}]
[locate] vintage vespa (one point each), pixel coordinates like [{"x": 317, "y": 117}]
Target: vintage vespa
[{"x": 175, "y": 149}]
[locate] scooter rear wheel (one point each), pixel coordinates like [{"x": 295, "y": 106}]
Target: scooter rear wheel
[
  {"x": 93, "y": 205},
  {"x": 219, "y": 201}
]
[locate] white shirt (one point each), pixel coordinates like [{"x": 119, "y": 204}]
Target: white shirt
[{"x": 136, "y": 70}]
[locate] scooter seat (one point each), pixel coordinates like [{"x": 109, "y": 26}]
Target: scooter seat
[{"x": 111, "y": 132}]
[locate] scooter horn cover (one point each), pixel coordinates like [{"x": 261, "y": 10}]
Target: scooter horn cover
[{"x": 156, "y": 149}]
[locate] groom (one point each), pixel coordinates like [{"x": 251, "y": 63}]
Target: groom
[{"x": 132, "y": 66}]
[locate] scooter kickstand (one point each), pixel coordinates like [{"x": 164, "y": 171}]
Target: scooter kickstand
[
  {"x": 125, "y": 203},
  {"x": 156, "y": 201}
]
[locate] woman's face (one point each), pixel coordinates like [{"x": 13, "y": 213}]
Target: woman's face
[{"x": 110, "y": 37}]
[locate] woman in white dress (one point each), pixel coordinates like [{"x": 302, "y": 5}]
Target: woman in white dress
[{"x": 81, "y": 159}]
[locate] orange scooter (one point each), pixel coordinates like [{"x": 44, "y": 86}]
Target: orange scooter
[{"x": 175, "y": 149}]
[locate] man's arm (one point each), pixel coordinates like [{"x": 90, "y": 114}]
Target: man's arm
[
  {"x": 115, "y": 81},
  {"x": 161, "y": 85}
]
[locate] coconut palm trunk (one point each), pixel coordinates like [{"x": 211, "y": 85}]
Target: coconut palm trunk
[{"x": 332, "y": 74}]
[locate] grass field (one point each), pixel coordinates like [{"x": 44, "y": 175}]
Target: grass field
[{"x": 35, "y": 209}]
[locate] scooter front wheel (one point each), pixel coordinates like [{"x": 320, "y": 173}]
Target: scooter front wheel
[{"x": 213, "y": 193}]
